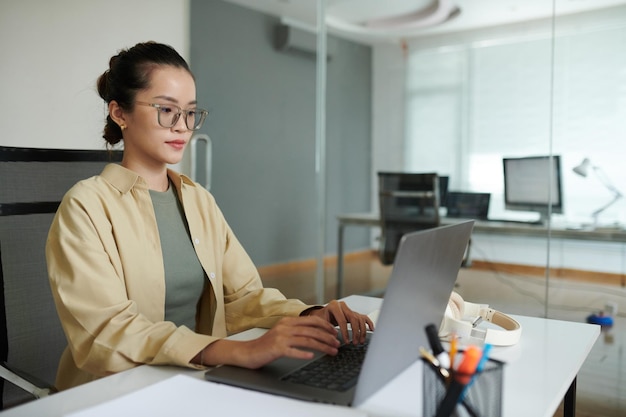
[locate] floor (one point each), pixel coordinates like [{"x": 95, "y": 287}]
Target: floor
[{"x": 601, "y": 381}]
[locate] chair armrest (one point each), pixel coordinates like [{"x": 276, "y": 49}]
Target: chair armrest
[{"x": 28, "y": 383}]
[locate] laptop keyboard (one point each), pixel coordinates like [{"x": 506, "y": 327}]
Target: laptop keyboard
[{"x": 337, "y": 373}]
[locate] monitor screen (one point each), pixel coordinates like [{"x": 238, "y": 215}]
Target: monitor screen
[
  {"x": 530, "y": 184},
  {"x": 468, "y": 205}
]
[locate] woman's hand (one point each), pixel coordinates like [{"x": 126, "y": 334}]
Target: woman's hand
[
  {"x": 339, "y": 314},
  {"x": 289, "y": 337},
  {"x": 293, "y": 337}
]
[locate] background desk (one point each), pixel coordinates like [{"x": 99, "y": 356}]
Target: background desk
[
  {"x": 481, "y": 226},
  {"x": 540, "y": 369}
]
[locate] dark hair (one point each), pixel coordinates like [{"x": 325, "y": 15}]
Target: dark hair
[{"x": 129, "y": 72}]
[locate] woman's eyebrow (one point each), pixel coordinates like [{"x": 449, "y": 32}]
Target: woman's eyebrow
[
  {"x": 167, "y": 98},
  {"x": 173, "y": 100}
]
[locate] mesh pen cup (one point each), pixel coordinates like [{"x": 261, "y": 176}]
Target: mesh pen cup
[{"x": 481, "y": 397}]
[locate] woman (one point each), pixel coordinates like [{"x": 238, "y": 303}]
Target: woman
[{"x": 143, "y": 266}]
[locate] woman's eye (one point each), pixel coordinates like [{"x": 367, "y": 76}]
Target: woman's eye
[{"x": 166, "y": 109}]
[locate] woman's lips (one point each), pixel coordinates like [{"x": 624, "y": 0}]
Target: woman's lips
[{"x": 178, "y": 144}]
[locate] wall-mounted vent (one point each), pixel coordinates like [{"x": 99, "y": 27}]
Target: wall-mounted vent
[{"x": 290, "y": 39}]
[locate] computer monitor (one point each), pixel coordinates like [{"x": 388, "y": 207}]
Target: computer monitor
[
  {"x": 533, "y": 184},
  {"x": 469, "y": 205}
]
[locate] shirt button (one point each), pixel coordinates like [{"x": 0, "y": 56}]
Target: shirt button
[
  {"x": 212, "y": 275},
  {"x": 196, "y": 241}
]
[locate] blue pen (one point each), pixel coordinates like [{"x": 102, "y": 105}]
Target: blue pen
[{"x": 484, "y": 358}]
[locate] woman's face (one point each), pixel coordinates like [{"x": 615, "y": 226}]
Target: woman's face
[{"x": 148, "y": 143}]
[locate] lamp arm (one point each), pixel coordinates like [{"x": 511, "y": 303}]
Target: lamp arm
[
  {"x": 607, "y": 183},
  {"x": 596, "y": 213}
]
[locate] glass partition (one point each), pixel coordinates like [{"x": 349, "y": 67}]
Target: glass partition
[
  {"x": 589, "y": 114},
  {"x": 462, "y": 103},
  {"x": 544, "y": 93}
]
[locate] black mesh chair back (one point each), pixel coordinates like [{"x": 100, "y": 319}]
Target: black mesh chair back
[
  {"x": 408, "y": 202},
  {"x": 33, "y": 182}
]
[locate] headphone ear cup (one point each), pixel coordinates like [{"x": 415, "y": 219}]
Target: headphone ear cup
[{"x": 456, "y": 305}]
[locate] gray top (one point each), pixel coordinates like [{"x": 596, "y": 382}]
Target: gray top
[{"x": 184, "y": 276}]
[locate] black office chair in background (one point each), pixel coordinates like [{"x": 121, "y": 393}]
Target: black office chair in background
[
  {"x": 467, "y": 205},
  {"x": 408, "y": 202},
  {"x": 33, "y": 182}
]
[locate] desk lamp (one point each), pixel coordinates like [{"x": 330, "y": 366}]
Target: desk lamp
[{"x": 583, "y": 170}]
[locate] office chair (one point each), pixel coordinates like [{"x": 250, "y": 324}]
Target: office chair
[
  {"x": 31, "y": 338},
  {"x": 408, "y": 202},
  {"x": 468, "y": 205}
]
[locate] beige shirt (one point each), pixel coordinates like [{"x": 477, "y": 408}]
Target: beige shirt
[{"x": 106, "y": 272}]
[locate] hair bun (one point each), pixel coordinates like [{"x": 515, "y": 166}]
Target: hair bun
[{"x": 103, "y": 86}]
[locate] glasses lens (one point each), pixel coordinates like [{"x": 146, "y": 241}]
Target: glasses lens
[
  {"x": 194, "y": 119},
  {"x": 167, "y": 116},
  {"x": 191, "y": 116}
]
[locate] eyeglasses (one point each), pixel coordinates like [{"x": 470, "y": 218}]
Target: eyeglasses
[{"x": 168, "y": 115}]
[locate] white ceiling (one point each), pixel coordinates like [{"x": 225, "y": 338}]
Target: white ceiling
[{"x": 347, "y": 17}]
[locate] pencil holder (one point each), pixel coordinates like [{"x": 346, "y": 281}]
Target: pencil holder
[{"x": 459, "y": 395}]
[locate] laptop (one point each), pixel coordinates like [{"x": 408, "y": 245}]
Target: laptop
[
  {"x": 468, "y": 205},
  {"x": 423, "y": 276}
]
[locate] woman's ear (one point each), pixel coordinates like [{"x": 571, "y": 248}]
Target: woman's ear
[{"x": 117, "y": 114}]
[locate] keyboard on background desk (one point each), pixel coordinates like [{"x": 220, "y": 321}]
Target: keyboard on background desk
[{"x": 512, "y": 221}]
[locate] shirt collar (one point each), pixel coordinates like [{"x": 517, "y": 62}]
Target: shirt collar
[{"x": 124, "y": 179}]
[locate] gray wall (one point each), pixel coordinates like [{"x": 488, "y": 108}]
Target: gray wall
[{"x": 262, "y": 124}]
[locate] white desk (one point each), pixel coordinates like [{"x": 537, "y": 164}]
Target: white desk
[{"x": 540, "y": 369}]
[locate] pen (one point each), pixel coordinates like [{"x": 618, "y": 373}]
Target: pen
[
  {"x": 449, "y": 402},
  {"x": 444, "y": 375},
  {"x": 484, "y": 357},
  {"x": 453, "y": 350},
  {"x": 463, "y": 375},
  {"x": 435, "y": 345}
]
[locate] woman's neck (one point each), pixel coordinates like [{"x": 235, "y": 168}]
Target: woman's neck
[
  {"x": 159, "y": 182},
  {"x": 156, "y": 177}
]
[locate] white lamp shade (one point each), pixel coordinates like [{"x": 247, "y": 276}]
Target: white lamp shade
[{"x": 583, "y": 168}]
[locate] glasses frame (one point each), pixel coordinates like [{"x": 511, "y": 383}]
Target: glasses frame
[{"x": 157, "y": 106}]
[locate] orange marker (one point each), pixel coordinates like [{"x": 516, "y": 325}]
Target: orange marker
[
  {"x": 468, "y": 364},
  {"x": 463, "y": 375}
]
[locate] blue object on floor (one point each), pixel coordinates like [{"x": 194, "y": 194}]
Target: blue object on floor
[{"x": 600, "y": 319}]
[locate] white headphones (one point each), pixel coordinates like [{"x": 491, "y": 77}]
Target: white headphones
[{"x": 462, "y": 317}]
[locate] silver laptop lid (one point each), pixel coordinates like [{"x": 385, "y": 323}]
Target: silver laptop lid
[{"x": 423, "y": 276}]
